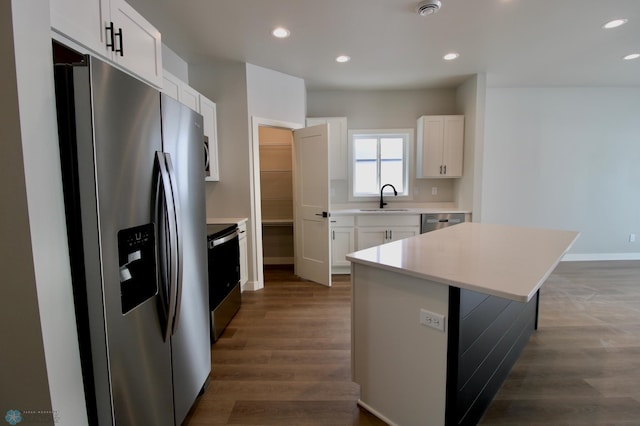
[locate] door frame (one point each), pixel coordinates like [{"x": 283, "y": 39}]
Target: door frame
[{"x": 256, "y": 207}]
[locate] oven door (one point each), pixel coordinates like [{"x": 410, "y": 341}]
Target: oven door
[
  {"x": 224, "y": 266},
  {"x": 224, "y": 279}
]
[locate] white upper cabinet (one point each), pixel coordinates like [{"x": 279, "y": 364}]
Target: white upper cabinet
[
  {"x": 171, "y": 85},
  {"x": 82, "y": 21},
  {"x": 337, "y": 144},
  {"x": 208, "y": 111},
  {"x": 439, "y": 148},
  {"x": 187, "y": 95},
  {"x": 113, "y": 30},
  {"x": 180, "y": 91}
]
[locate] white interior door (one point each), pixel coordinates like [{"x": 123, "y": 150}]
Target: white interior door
[{"x": 311, "y": 204}]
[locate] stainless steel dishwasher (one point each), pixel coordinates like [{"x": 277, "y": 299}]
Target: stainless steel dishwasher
[{"x": 433, "y": 221}]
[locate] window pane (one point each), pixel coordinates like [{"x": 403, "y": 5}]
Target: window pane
[
  {"x": 391, "y": 148},
  {"x": 365, "y": 177},
  {"x": 378, "y": 158},
  {"x": 366, "y": 148},
  {"x": 391, "y": 172}
]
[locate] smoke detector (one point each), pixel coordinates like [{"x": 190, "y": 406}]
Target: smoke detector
[{"x": 429, "y": 7}]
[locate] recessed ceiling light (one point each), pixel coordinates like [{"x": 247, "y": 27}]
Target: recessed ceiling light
[
  {"x": 343, "y": 58},
  {"x": 451, "y": 56},
  {"x": 281, "y": 32},
  {"x": 615, "y": 23},
  {"x": 632, "y": 56}
]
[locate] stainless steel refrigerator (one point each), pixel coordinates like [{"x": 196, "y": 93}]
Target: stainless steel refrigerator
[{"x": 133, "y": 177}]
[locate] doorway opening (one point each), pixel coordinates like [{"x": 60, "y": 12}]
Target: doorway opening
[
  {"x": 276, "y": 194},
  {"x": 258, "y": 123},
  {"x": 305, "y": 222}
]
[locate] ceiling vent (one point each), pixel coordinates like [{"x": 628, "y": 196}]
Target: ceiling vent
[{"x": 429, "y": 7}]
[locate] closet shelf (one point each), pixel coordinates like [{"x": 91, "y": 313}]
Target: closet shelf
[{"x": 277, "y": 222}]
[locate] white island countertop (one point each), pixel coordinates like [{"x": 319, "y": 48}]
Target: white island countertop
[{"x": 505, "y": 261}]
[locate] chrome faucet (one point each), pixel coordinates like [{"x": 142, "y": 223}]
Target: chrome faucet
[{"x": 382, "y": 203}]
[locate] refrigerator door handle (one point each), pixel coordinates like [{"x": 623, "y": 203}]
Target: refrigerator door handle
[
  {"x": 168, "y": 252},
  {"x": 179, "y": 252}
]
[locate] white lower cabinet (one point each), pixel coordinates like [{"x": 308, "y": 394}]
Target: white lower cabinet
[
  {"x": 374, "y": 230},
  {"x": 342, "y": 243},
  {"x": 244, "y": 265}
]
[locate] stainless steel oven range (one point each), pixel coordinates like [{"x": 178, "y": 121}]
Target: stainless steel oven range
[{"x": 223, "y": 252}]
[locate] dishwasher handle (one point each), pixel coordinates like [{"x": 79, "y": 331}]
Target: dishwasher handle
[{"x": 444, "y": 220}]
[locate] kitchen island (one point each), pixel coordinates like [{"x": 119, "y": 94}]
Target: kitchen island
[{"x": 438, "y": 320}]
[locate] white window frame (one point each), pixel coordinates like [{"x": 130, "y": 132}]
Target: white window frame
[{"x": 407, "y": 166}]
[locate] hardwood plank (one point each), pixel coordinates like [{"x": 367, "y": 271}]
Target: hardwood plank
[
  {"x": 284, "y": 391},
  {"x": 299, "y": 413},
  {"x": 284, "y": 359},
  {"x": 581, "y": 366},
  {"x": 574, "y": 411}
]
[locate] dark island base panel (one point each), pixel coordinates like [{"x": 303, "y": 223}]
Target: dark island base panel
[{"x": 486, "y": 336}]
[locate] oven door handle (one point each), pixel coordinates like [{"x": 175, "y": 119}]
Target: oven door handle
[{"x": 226, "y": 238}]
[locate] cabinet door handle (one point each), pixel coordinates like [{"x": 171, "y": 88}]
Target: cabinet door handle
[
  {"x": 385, "y": 235},
  {"x": 390, "y": 234},
  {"x": 440, "y": 168},
  {"x": 445, "y": 169},
  {"x": 333, "y": 235},
  {"x": 119, "y": 35},
  {"x": 110, "y": 36}
]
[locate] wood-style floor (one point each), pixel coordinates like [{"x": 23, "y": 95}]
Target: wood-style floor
[
  {"x": 582, "y": 366},
  {"x": 285, "y": 357}
]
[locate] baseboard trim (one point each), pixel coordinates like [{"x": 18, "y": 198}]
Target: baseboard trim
[
  {"x": 252, "y": 286},
  {"x": 586, "y": 257},
  {"x": 375, "y": 413}
]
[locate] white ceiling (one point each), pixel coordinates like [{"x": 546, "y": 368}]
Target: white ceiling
[{"x": 516, "y": 42}]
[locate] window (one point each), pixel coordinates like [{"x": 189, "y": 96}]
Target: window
[{"x": 379, "y": 157}]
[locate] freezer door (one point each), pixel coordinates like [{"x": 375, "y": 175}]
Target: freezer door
[
  {"x": 182, "y": 141},
  {"x": 117, "y": 138}
]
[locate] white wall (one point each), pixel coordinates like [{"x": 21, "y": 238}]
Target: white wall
[
  {"x": 381, "y": 109},
  {"x": 242, "y": 91},
  {"x": 225, "y": 83},
  {"x": 23, "y": 347},
  {"x": 175, "y": 64},
  {"x": 275, "y": 96},
  {"x": 471, "y": 96},
  {"x": 565, "y": 158},
  {"x": 386, "y": 109},
  {"x": 273, "y": 99},
  {"x": 33, "y": 233}
]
